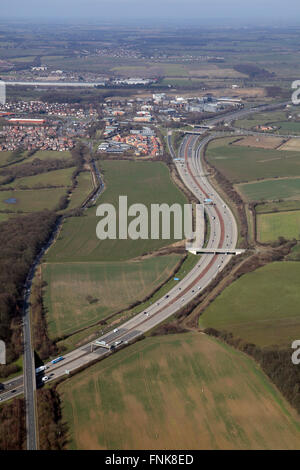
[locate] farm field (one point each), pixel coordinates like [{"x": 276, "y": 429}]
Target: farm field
[
  {"x": 155, "y": 398},
  {"x": 31, "y": 200},
  {"x": 6, "y": 157},
  {"x": 288, "y": 127},
  {"x": 291, "y": 144},
  {"x": 241, "y": 164},
  {"x": 76, "y": 339},
  {"x": 271, "y": 189},
  {"x": 278, "y": 224},
  {"x": 261, "y": 307},
  {"x": 50, "y": 154},
  {"x": 78, "y": 241},
  {"x": 53, "y": 178},
  {"x": 260, "y": 119},
  {"x": 287, "y": 205},
  {"x": 266, "y": 142},
  {"x": 80, "y": 294},
  {"x": 82, "y": 190}
]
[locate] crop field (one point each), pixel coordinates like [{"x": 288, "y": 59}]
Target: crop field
[
  {"x": 80, "y": 294},
  {"x": 241, "y": 164},
  {"x": 278, "y": 224},
  {"x": 52, "y": 178},
  {"x": 185, "y": 391},
  {"x": 78, "y": 240},
  {"x": 31, "y": 200},
  {"x": 282, "y": 206},
  {"x": 82, "y": 190},
  {"x": 288, "y": 127},
  {"x": 170, "y": 70},
  {"x": 262, "y": 307},
  {"x": 282, "y": 188},
  {"x": 291, "y": 144},
  {"x": 266, "y": 142}
]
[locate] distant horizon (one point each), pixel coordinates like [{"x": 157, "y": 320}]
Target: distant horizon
[
  {"x": 237, "y": 23},
  {"x": 219, "y": 12}
]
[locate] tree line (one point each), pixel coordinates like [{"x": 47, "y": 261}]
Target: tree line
[
  {"x": 13, "y": 425},
  {"x": 21, "y": 239}
]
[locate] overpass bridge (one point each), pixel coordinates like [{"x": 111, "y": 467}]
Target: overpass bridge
[{"x": 216, "y": 251}]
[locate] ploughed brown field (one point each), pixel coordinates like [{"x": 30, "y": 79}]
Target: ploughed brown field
[{"x": 183, "y": 391}]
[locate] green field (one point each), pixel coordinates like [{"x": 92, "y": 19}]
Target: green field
[
  {"x": 78, "y": 241},
  {"x": 278, "y": 224},
  {"x": 242, "y": 164},
  {"x": 54, "y": 178},
  {"x": 6, "y": 157},
  {"x": 31, "y": 200},
  {"x": 271, "y": 190},
  {"x": 113, "y": 286},
  {"x": 261, "y": 307},
  {"x": 82, "y": 190},
  {"x": 276, "y": 206},
  {"x": 260, "y": 119},
  {"x": 4, "y": 217},
  {"x": 49, "y": 155},
  {"x": 185, "y": 391},
  {"x": 77, "y": 339},
  {"x": 170, "y": 70},
  {"x": 288, "y": 127}
]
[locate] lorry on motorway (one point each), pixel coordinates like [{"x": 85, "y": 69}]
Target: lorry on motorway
[
  {"x": 208, "y": 201},
  {"x": 58, "y": 359},
  {"x": 40, "y": 369},
  {"x": 103, "y": 344}
]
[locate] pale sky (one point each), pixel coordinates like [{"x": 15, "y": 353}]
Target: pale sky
[{"x": 101, "y": 10}]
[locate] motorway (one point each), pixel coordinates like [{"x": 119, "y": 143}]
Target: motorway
[{"x": 223, "y": 234}]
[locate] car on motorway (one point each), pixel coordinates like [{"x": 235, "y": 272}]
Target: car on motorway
[
  {"x": 116, "y": 330},
  {"x": 44, "y": 379},
  {"x": 58, "y": 359}
]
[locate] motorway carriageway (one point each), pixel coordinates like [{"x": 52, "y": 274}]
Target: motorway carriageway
[{"x": 223, "y": 234}]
